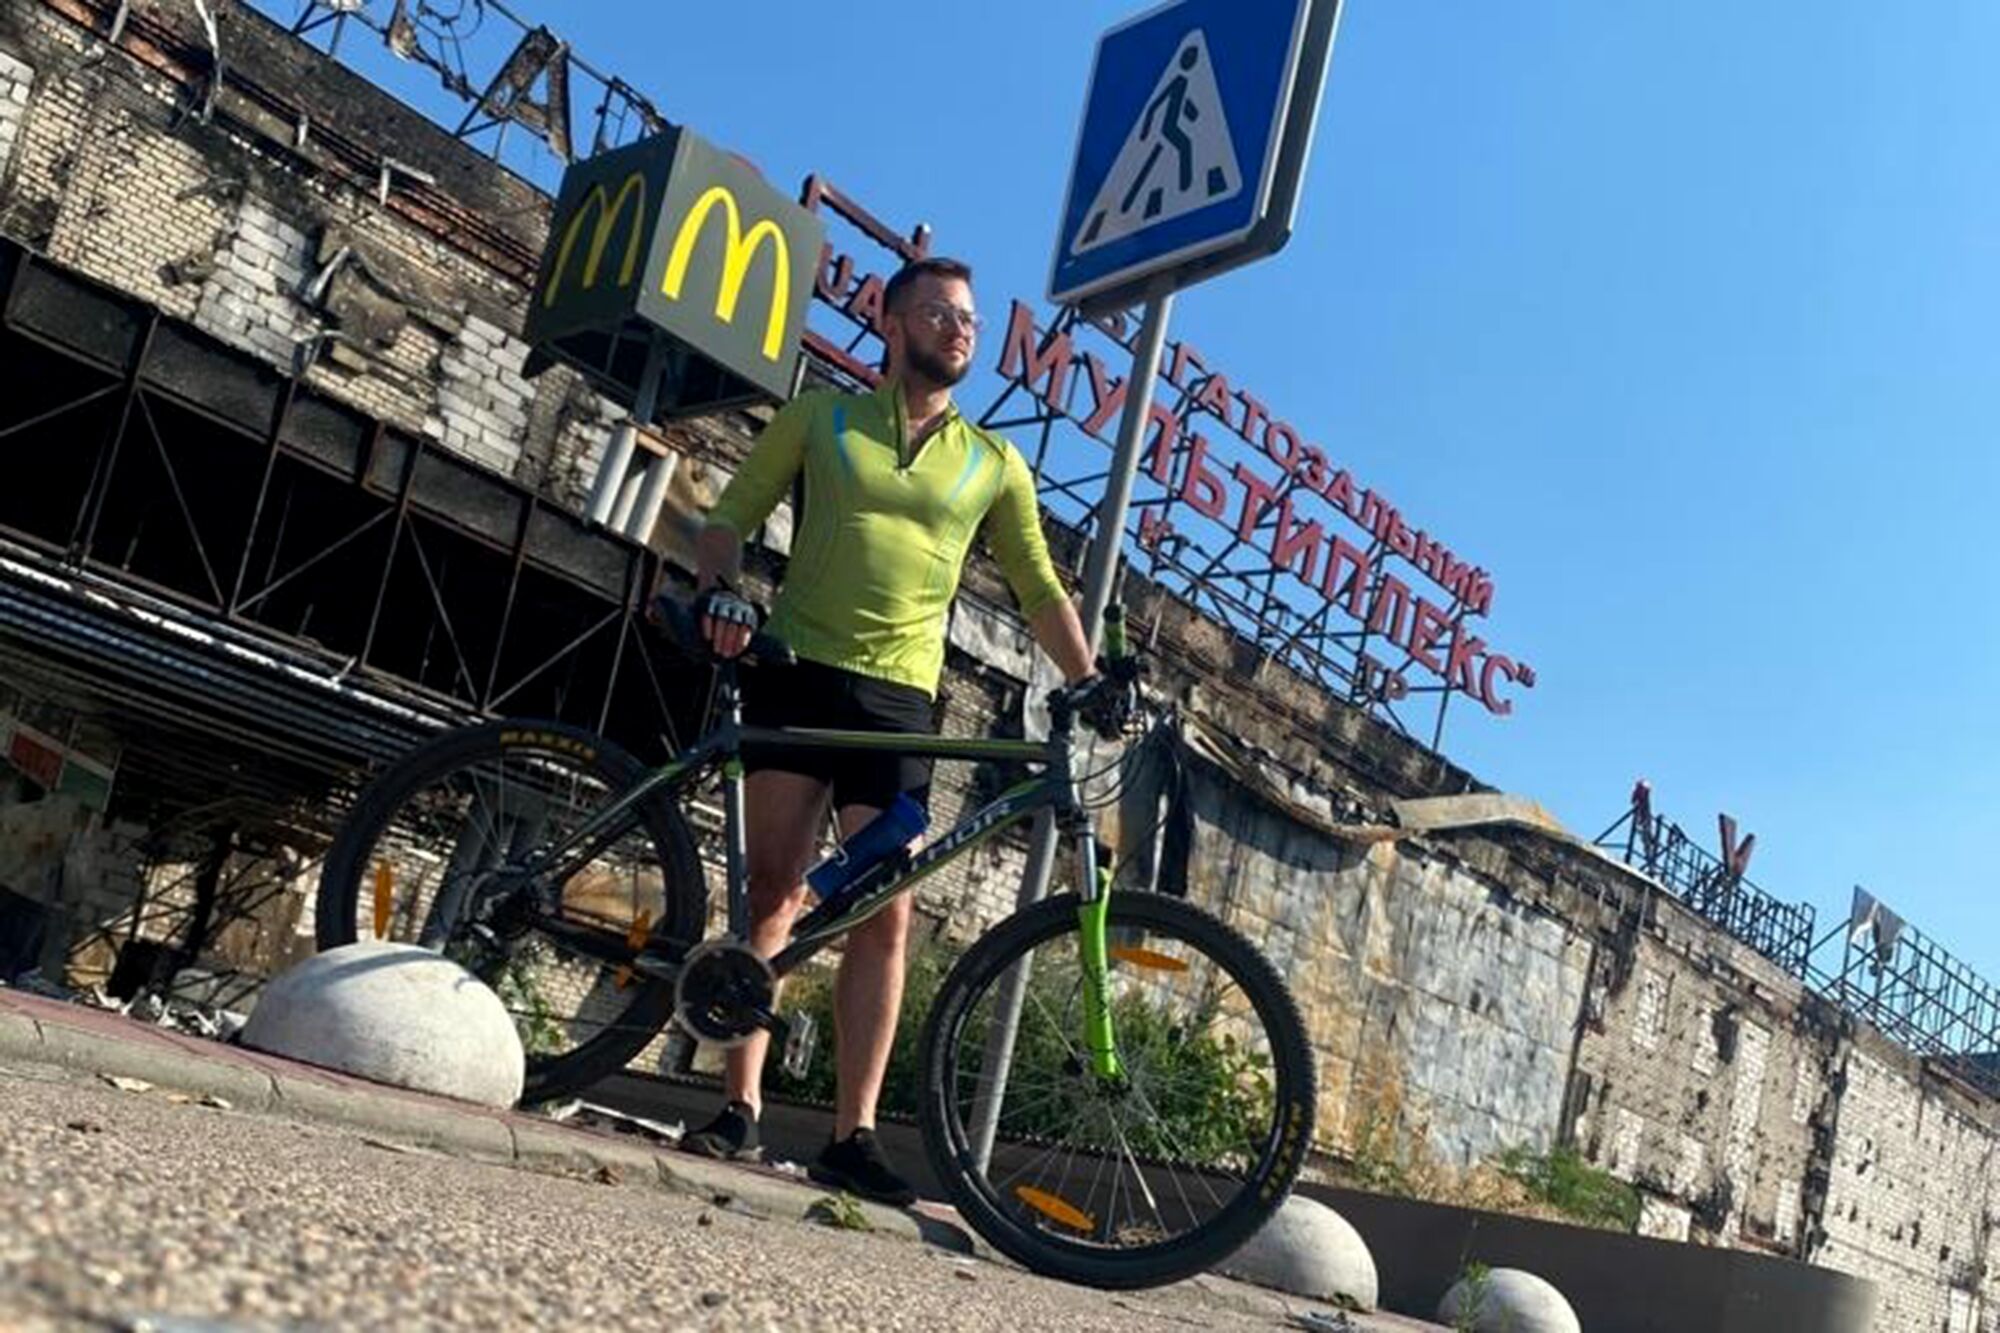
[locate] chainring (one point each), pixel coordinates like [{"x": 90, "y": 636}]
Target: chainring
[{"x": 724, "y": 993}]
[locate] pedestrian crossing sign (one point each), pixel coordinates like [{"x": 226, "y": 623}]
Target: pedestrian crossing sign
[
  {"x": 1194, "y": 129},
  {"x": 1176, "y": 158}
]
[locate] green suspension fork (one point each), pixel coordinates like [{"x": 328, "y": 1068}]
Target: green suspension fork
[
  {"x": 1096, "y": 905},
  {"x": 1091, "y": 915}
]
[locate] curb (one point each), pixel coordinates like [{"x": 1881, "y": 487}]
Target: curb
[{"x": 252, "y": 1081}]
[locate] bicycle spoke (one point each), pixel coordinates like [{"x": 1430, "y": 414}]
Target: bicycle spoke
[{"x": 1170, "y": 1158}]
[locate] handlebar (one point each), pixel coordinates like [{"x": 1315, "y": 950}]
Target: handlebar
[{"x": 682, "y": 626}]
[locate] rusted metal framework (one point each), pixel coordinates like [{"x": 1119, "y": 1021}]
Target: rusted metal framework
[
  {"x": 1224, "y": 571},
  {"x": 513, "y": 74},
  {"x": 1912, "y": 989},
  {"x": 267, "y": 588},
  {"x": 1887, "y": 973},
  {"x": 1708, "y": 886}
]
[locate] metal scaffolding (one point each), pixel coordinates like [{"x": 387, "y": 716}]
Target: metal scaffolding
[
  {"x": 1709, "y": 886},
  {"x": 268, "y": 588}
]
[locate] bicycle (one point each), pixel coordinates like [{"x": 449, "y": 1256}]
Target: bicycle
[{"x": 1161, "y": 1094}]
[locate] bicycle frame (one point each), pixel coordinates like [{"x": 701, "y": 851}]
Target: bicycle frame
[{"x": 1054, "y": 789}]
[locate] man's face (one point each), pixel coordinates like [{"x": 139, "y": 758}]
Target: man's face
[{"x": 932, "y": 330}]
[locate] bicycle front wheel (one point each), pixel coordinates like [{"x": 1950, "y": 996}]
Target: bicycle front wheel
[
  {"x": 1154, "y": 1174},
  {"x": 424, "y": 858}
]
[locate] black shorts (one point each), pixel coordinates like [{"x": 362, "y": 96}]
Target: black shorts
[{"x": 812, "y": 694}]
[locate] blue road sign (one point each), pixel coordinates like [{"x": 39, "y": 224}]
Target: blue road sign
[{"x": 1194, "y": 130}]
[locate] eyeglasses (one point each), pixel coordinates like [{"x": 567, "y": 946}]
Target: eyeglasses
[{"x": 942, "y": 315}]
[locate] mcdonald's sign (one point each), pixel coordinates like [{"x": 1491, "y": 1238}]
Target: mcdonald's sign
[{"x": 671, "y": 237}]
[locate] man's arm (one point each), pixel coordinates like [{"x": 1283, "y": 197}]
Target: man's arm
[
  {"x": 1059, "y": 631},
  {"x": 718, "y": 556},
  {"x": 1014, "y": 530},
  {"x": 774, "y": 459}
]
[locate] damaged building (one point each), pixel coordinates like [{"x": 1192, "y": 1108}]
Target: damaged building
[{"x": 284, "y": 495}]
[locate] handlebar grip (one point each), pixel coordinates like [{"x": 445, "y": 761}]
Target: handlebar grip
[{"x": 1113, "y": 635}]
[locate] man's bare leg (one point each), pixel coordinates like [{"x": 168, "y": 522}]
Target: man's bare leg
[
  {"x": 867, "y": 998},
  {"x": 782, "y": 814}
]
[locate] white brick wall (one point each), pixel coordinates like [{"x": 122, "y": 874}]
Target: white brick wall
[
  {"x": 17, "y": 79},
  {"x": 482, "y": 401},
  {"x": 1746, "y": 1106},
  {"x": 1909, "y": 1195},
  {"x": 1785, "y": 1213},
  {"x": 1649, "y": 1026},
  {"x": 1702, "y": 1059},
  {"x": 250, "y": 300}
]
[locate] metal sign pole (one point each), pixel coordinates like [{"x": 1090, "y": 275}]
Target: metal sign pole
[{"x": 1100, "y": 573}]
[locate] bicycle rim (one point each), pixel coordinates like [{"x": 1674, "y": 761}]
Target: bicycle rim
[
  {"x": 428, "y": 847},
  {"x": 1149, "y": 1177}
]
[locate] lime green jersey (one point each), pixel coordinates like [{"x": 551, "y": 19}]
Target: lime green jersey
[{"x": 882, "y": 539}]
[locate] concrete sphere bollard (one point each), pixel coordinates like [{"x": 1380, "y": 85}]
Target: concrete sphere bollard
[
  {"x": 1309, "y": 1250},
  {"x": 395, "y": 1014},
  {"x": 1507, "y": 1300}
]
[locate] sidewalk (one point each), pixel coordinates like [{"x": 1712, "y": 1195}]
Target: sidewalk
[
  {"x": 98, "y": 1041},
  {"x": 40, "y": 1031}
]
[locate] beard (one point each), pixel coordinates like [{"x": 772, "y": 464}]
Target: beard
[{"x": 933, "y": 367}]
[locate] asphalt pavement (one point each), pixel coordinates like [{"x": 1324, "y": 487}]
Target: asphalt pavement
[{"x": 154, "y": 1180}]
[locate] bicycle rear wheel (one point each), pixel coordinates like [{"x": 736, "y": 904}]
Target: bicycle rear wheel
[
  {"x": 424, "y": 856},
  {"x": 1145, "y": 1179}
]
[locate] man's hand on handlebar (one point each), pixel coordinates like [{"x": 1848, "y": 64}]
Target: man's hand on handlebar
[
  {"x": 1108, "y": 700},
  {"x": 727, "y": 621}
]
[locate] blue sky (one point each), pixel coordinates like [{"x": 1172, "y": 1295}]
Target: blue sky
[{"x": 1677, "y": 319}]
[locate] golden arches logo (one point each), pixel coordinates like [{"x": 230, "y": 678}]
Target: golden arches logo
[
  {"x": 739, "y": 248},
  {"x": 609, "y": 210}
]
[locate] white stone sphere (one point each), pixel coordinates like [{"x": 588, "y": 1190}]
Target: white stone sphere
[
  {"x": 1507, "y": 1300},
  {"x": 394, "y": 1014},
  {"x": 1309, "y": 1250}
]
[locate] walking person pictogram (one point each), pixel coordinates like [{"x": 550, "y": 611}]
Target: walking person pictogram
[
  {"x": 1177, "y": 107},
  {"x": 1177, "y": 158}
]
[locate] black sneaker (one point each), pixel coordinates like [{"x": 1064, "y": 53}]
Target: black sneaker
[
  {"x": 856, "y": 1164},
  {"x": 732, "y": 1135}
]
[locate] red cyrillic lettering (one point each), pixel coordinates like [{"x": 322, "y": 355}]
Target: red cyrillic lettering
[
  {"x": 1426, "y": 557},
  {"x": 1478, "y": 595},
  {"x": 1282, "y": 443},
  {"x": 1340, "y": 491},
  {"x": 1401, "y": 540},
  {"x": 1465, "y": 650},
  {"x": 1425, "y": 626},
  {"x": 1185, "y": 355},
  {"x": 1158, "y": 458},
  {"x": 1214, "y": 397},
  {"x": 1257, "y": 493},
  {"x": 1312, "y": 469},
  {"x": 1200, "y": 487},
  {"x": 1382, "y": 618},
  {"x": 1494, "y": 703},
  {"x": 1253, "y": 415},
  {"x": 866, "y": 303},
  {"x": 1373, "y": 515},
  {"x": 1338, "y": 552},
  {"x": 1107, "y": 395},
  {"x": 1154, "y": 528},
  {"x": 1026, "y": 358},
  {"x": 1451, "y": 573},
  {"x": 1735, "y": 855},
  {"x": 834, "y": 275},
  {"x": 1289, "y": 541}
]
